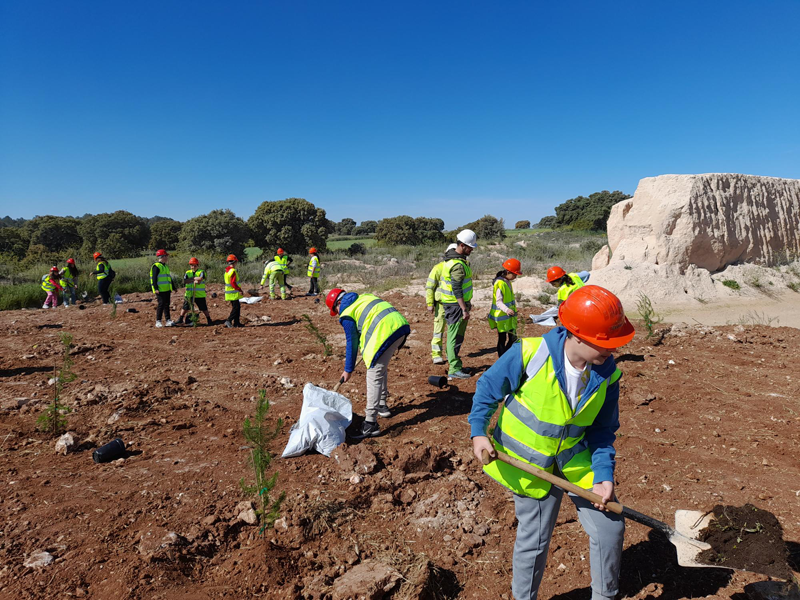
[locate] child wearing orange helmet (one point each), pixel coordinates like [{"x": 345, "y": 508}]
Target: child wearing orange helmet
[
  {"x": 503, "y": 314},
  {"x": 560, "y": 395},
  {"x": 566, "y": 283}
]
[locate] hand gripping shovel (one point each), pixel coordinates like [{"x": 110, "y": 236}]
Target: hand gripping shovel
[{"x": 685, "y": 520}]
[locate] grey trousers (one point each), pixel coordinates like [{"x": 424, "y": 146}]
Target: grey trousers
[
  {"x": 378, "y": 382},
  {"x": 537, "y": 518}
]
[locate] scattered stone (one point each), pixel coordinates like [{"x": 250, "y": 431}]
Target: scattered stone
[
  {"x": 358, "y": 459},
  {"x": 190, "y": 380},
  {"x": 38, "y": 560},
  {"x": 355, "y": 479},
  {"x": 278, "y": 362},
  {"x": 286, "y": 382},
  {"x": 246, "y": 513},
  {"x": 370, "y": 580},
  {"x": 65, "y": 444},
  {"x": 266, "y": 318},
  {"x": 115, "y": 417}
]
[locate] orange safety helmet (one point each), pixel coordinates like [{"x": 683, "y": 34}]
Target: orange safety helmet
[
  {"x": 513, "y": 265},
  {"x": 312, "y": 251},
  {"x": 162, "y": 252},
  {"x": 98, "y": 255},
  {"x": 331, "y": 299},
  {"x": 554, "y": 273},
  {"x": 70, "y": 261},
  {"x": 194, "y": 261},
  {"x": 232, "y": 258},
  {"x": 595, "y": 315},
  {"x": 280, "y": 252}
]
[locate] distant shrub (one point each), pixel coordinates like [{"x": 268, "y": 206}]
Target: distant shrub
[
  {"x": 546, "y": 222},
  {"x": 731, "y": 283},
  {"x": 488, "y": 228},
  {"x": 522, "y": 225},
  {"x": 591, "y": 246},
  {"x": 356, "y": 249}
]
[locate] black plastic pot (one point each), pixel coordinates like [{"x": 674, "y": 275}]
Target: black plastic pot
[
  {"x": 111, "y": 451},
  {"x": 438, "y": 380}
]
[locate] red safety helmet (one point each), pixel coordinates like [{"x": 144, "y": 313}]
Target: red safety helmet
[
  {"x": 513, "y": 265},
  {"x": 162, "y": 252},
  {"x": 554, "y": 273},
  {"x": 70, "y": 261},
  {"x": 194, "y": 261},
  {"x": 595, "y": 315},
  {"x": 232, "y": 258},
  {"x": 98, "y": 255},
  {"x": 331, "y": 299},
  {"x": 54, "y": 269},
  {"x": 280, "y": 251},
  {"x": 312, "y": 251}
]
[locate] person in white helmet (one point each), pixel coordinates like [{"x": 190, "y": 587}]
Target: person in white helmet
[
  {"x": 433, "y": 299},
  {"x": 456, "y": 293}
]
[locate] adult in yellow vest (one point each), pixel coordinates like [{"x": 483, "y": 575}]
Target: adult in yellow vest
[
  {"x": 314, "y": 267},
  {"x": 161, "y": 284},
  {"x": 433, "y": 299},
  {"x": 69, "y": 281},
  {"x": 274, "y": 276},
  {"x": 105, "y": 275},
  {"x": 566, "y": 283},
  {"x": 233, "y": 292},
  {"x": 455, "y": 288},
  {"x": 503, "y": 314},
  {"x": 195, "y": 281},
  {"x": 560, "y": 414},
  {"x": 375, "y": 327}
]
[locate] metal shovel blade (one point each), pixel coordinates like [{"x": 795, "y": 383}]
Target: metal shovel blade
[{"x": 688, "y": 525}]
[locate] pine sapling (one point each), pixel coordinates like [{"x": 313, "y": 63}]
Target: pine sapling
[
  {"x": 53, "y": 420},
  {"x": 648, "y": 314},
  {"x": 258, "y": 436},
  {"x": 318, "y": 334}
]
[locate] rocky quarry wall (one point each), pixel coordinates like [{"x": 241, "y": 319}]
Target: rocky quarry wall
[{"x": 680, "y": 236}]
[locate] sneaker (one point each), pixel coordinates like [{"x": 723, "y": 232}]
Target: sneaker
[
  {"x": 180, "y": 321},
  {"x": 158, "y": 324},
  {"x": 228, "y": 324},
  {"x": 459, "y": 375},
  {"x": 45, "y": 306},
  {"x": 438, "y": 360},
  {"x": 383, "y": 411},
  {"x": 367, "y": 430},
  {"x": 169, "y": 323}
]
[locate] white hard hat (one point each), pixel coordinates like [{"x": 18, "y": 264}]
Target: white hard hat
[
  {"x": 468, "y": 238},
  {"x": 451, "y": 247}
]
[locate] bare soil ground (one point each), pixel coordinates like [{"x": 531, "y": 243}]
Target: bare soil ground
[{"x": 710, "y": 415}]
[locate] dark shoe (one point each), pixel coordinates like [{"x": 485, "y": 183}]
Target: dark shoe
[
  {"x": 383, "y": 411},
  {"x": 367, "y": 430},
  {"x": 179, "y": 321},
  {"x": 459, "y": 375},
  {"x": 228, "y": 324},
  {"x": 238, "y": 325}
]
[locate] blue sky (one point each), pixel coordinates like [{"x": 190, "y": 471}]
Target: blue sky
[{"x": 374, "y": 109}]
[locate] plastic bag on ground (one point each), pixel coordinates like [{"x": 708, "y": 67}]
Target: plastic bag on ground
[
  {"x": 251, "y": 300},
  {"x": 118, "y": 299},
  {"x": 323, "y": 419},
  {"x": 547, "y": 318}
]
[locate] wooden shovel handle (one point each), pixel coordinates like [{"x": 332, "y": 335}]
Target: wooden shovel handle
[{"x": 614, "y": 507}]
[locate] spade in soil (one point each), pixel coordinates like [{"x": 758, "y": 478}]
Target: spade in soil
[{"x": 697, "y": 537}]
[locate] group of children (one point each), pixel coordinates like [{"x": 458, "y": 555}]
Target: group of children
[{"x": 63, "y": 281}]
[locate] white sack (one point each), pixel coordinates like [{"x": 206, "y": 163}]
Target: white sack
[
  {"x": 324, "y": 417},
  {"x": 250, "y": 300},
  {"x": 547, "y": 318}
]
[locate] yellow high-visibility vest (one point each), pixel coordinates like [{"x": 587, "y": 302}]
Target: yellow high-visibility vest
[{"x": 376, "y": 321}]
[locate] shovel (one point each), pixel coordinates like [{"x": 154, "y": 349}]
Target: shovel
[{"x": 688, "y": 523}]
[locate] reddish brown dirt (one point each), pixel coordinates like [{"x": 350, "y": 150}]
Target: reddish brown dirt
[{"x": 708, "y": 416}]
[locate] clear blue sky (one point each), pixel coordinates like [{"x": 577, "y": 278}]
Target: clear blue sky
[{"x": 372, "y": 109}]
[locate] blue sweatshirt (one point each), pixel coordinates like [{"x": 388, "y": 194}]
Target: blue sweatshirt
[
  {"x": 353, "y": 338},
  {"x": 506, "y": 376}
]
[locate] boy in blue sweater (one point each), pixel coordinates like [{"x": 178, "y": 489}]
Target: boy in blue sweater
[{"x": 560, "y": 414}]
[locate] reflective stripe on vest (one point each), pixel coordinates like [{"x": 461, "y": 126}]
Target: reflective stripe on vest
[
  {"x": 537, "y": 425},
  {"x": 231, "y": 293},
  {"x": 446, "y": 284},
  {"x": 313, "y": 267},
  {"x": 104, "y": 273},
  {"x": 47, "y": 285},
  {"x": 376, "y": 321},
  {"x": 192, "y": 288},
  {"x": 283, "y": 261},
  {"x": 498, "y": 319},
  {"x": 565, "y": 290},
  {"x": 163, "y": 280}
]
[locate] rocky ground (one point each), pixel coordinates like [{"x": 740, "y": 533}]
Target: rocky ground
[{"x": 709, "y": 415}]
